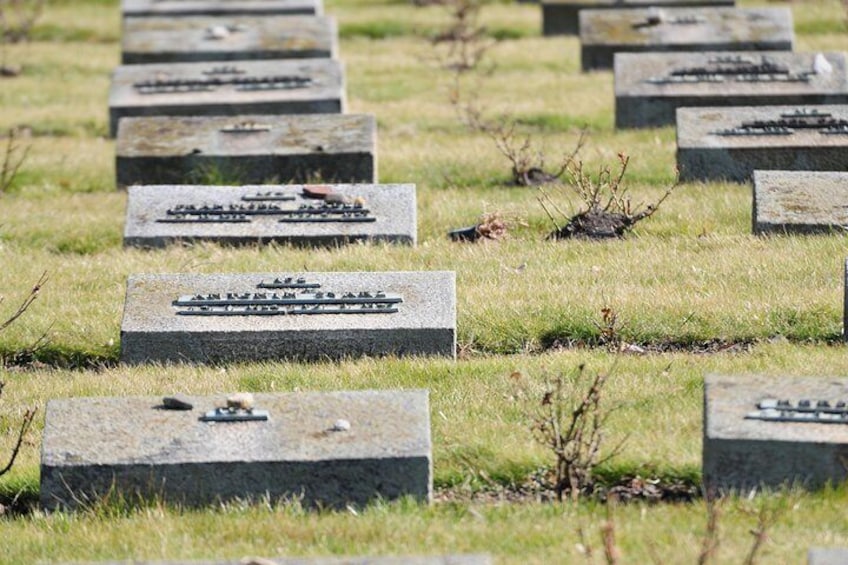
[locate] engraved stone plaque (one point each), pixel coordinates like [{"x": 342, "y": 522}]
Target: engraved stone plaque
[
  {"x": 221, "y": 7},
  {"x": 606, "y": 32},
  {"x": 227, "y": 38},
  {"x": 158, "y": 215},
  {"x": 303, "y": 86},
  {"x": 94, "y": 447},
  {"x": 309, "y": 316},
  {"x": 251, "y": 149},
  {"x": 800, "y": 202},
  {"x": 742, "y": 451},
  {"x": 561, "y": 17},
  {"x": 730, "y": 143},
  {"x": 649, "y": 87}
]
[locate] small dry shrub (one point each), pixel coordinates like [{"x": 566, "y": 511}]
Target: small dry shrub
[
  {"x": 17, "y": 17},
  {"x": 13, "y": 157},
  {"x": 462, "y": 45},
  {"x": 570, "y": 421},
  {"x": 606, "y": 211}
]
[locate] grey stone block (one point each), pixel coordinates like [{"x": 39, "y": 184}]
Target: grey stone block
[
  {"x": 730, "y": 143},
  {"x": 561, "y": 17},
  {"x": 467, "y": 559},
  {"x": 606, "y": 32},
  {"x": 800, "y": 202},
  {"x": 418, "y": 317},
  {"x": 649, "y": 87},
  {"x": 159, "y": 215},
  {"x": 827, "y": 556},
  {"x": 227, "y": 38},
  {"x": 96, "y": 446},
  {"x": 742, "y": 454},
  {"x": 285, "y": 86},
  {"x": 247, "y": 149},
  {"x": 178, "y": 8}
]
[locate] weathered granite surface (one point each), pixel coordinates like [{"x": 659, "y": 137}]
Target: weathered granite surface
[
  {"x": 606, "y": 32},
  {"x": 459, "y": 559},
  {"x": 827, "y": 556},
  {"x": 93, "y": 446},
  {"x": 390, "y": 211},
  {"x": 560, "y": 17},
  {"x": 247, "y": 149},
  {"x": 800, "y": 202},
  {"x": 649, "y": 87},
  {"x": 153, "y": 329},
  {"x": 284, "y": 86},
  {"x": 165, "y": 39},
  {"x": 220, "y": 7},
  {"x": 704, "y": 153},
  {"x": 741, "y": 454}
]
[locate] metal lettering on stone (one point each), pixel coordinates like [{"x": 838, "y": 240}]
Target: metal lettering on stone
[
  {"x": 789, "y": 123},
  {"x": 235, "y": 415},
  {"x": 301, "y": 298},
  {"x": 802, "y": 411},
  {"x": 259, "y": 205},
  {"x": 733, "y": 68},
  {"x": 220, "y": 77}
]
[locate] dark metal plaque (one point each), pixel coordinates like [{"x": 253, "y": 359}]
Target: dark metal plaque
[
  {"x": 789, "y": 123},
  {"x": 809, "y": 411},
  {"x": 736, "y": 68}
]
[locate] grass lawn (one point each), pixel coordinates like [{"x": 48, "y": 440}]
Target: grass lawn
[{"x": 691, "y": 285}]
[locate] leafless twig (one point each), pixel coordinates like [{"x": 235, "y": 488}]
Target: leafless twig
[{"x": 33, "y": 294}]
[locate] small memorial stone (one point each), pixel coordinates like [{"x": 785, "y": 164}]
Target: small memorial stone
[
  {"x": 96, "y": 446},
  {"x": 161, "y": 214},
  {"x": 221, "y": 7},
  {"x": 606, "y": 32},
  {"x": 800, "y": 202},
  {"x": 308, "y": 316},
  {"x": 227, "y": 38},
  {"x": 768, "y": 432},
  {"x": 249, "y": 149},
  {"x": 561, "y": 17},
  {"x": 304, "y": 86},
  {"x": 178, "y": 402},
  {"x": 731, "y": 143},
  {"x": 649, "y": 87},
  {"x": 827, "y": 556}
]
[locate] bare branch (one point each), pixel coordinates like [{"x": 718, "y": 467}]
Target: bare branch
[
  {"x": 25, "y": 424},
  {"x": 33, "y": 294}
]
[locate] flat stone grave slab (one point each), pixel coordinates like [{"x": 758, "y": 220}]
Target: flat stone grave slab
[
  {"x": 561, "y": 17},
  {"x": 221, "y": 7},
  {"x": 730, "y": 143},
  {"x": 331, "y": 448},
  {"x": 606, "y": 32},
  {"x": 227, "y": 38},
  {"x": 827, "y": 556},
  {"x": 459, "y": 559},
  {"x": 159, "y": 215},
  {"x": 800, "y": 202},
  {"x": 772, "y": 431},
  {"x": 304, "y": 316},
  {"x": 284, "y": 86},
  {"x": 649, "y": 87},
  {"x": 247, "y": 149}
]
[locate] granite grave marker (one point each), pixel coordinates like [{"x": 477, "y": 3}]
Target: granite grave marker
[
  {"x": 303, "y": 86},
  {"x": 331, "y": 448},
  {"x": 221, "y": 7},
  {"x": 649, "y": 87},
  {"x": 250, "y": 149},
  {"x": 800, "y": 202},
  {"x": 730, "y": 143},
  {"x": 827, "y": 556},
  {"x": 769, "y": 431},
  {"x": 606, "y": 32},
  {"x": 158, "y": 215},
  {"x": 561, "y": 17},
  {"x": 306, "y": 316},
  {"x": 227, "y": 38}
]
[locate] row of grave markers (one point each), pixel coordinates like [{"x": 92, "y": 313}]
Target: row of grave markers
[
  {"x": 746, "y": 108},
  {"x": 351, "y": 446},
  {"x": 223, "y": 113}
]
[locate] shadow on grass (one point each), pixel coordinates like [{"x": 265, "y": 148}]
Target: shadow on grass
[{"x": 58, "y": 357}]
